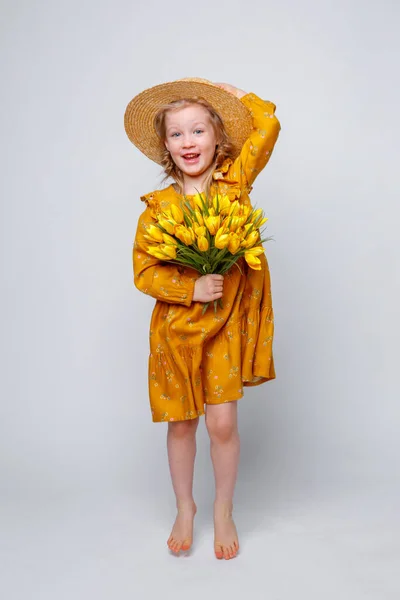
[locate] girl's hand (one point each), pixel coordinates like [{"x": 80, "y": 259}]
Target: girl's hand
[
  {"x": 208, "y": 288},
  {"x": 232, "y": 89}
]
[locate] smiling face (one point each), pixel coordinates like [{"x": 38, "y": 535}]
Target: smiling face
[{"x": 191, "y": 141}]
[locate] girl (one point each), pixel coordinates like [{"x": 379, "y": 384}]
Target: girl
[{"x": 209, "y": 138}]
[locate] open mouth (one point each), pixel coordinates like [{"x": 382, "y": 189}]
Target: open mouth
[{"x": 189, "y": 158}]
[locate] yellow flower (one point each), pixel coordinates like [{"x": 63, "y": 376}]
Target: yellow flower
[
  {"x": 162, "y": 252},
  {"x": 224, "y": 205},
  {"x": 234, "y": 243},
  {"x": 177, "y": 213},
  {"x": 199, "y": 218},
  {"x": 212, "y": 224},
  {"x": 256, "y": 215},
  {"x": 170, "y": 241},
  {"x": 200, "y": 231},
  {"x": 154, "y": 233},
  {"x": 234, "y": 208},
  {"x": 202, "y": 243},
  {"x": 183, "y": 234},
  {"x": 221, "y": 239},
  {"x": 154, "y": 251},
  {"x": 251, "y": 239},
  {"x": 197, "y": 199},
  {"x": 167, "y": 225},
  {"x": 253, "y": 261},
  {"x": 221, "y": 204},
  {"x": 246, "y": 210},
  {"x": 255, "y": 251},
  {"x": 235, "y": 222},
  {"x": 168, "y": 251}
]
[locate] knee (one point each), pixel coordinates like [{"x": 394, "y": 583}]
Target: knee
[
  {"x": 182, "y": 429},
  {"x": 221, "y": 429}
]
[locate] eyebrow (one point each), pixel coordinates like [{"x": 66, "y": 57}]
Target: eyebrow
[{"x": 195, "y": 124}]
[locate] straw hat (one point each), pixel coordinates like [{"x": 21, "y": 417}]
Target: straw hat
[{"x": 141, "y": 110}]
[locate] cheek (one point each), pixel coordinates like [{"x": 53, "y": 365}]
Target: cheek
[{"x": 170, "y": 146}]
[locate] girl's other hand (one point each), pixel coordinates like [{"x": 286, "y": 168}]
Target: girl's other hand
[
  {"x": 208, "y": 288},
  {"x": 232, "y": 89}
]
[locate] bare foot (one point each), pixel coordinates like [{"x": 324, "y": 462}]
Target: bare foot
[
  {"x": 226, "y": 543},
  {"x": 182, "y": 532}
]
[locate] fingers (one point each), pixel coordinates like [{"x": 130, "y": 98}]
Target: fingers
[{"x": 216, "y": 277}]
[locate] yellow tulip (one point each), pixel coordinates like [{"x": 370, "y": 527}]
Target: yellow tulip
[
  {"x": 200, "y": 231},
  {"x": 197, "y": 199},
  {"x": 221, "y": 204},
  {"x": 224, "y": 205},
  {"x": 202, "y": 243},
  {"x": 199, "y": 217},
  {"x": 169, "y": 240},
  {"x": 233, "y": 243},
  {"x": 256, "y": 215},
  {"x": 154, "y": 251},
  {"x": 255, "y": 251},
  {"x": 184, "y": 235},
  {"x": 234, "y": 223},
  {"x": 177, "y": 213},
  {"x": 234, "y": 208},
  {"x": 212, "y": 224},
  {"x": 246, "y": 210},
  {"x": 251, "y": 239},
  {"x": 162, "y": 252},
  {"x": 154, "y": 233},
  {"x": 169, "y": 251},
  {"x": 253, "y": 261},
  {"x": 167, "y": 225},
  {"x": 221, "y": 239}
]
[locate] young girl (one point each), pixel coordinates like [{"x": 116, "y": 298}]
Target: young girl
[{"x": 209, "y": 138}]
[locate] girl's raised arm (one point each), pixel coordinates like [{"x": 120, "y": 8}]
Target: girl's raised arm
[
  {"x": 258, "y": 147},
  {"x": 156, "y": 278}
]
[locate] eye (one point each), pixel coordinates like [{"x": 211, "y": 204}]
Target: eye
[
  {"x": 198, "y": 131},
  {"x": 175, "y": 134}
]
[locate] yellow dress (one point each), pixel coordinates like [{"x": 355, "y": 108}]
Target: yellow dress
[{"x": 200, "y": 359}]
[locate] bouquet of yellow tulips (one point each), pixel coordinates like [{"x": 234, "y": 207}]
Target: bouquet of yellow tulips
[{"x": 208, "y": 234}]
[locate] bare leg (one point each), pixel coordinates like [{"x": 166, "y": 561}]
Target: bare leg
[
  {"x": 181, "y": 444},
  {"x": 221, "y": 421}
]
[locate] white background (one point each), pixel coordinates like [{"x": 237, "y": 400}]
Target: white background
[{"x": 85, "y": 494}]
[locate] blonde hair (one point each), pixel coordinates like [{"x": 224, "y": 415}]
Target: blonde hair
[{"x": 224, "y": 149}]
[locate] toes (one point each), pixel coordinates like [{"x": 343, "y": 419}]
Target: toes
[
  {"x": 218, "y": 551},
  {"x": 186, "y": 545},
  {"x": 226, "y": 553}
]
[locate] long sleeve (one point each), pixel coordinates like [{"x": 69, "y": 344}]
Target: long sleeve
[
  {"x": 258, "y": 148},
  {"x": 154, "y": 277}
]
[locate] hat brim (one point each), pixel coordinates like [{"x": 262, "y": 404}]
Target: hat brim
[{"x": 142, "y": 109}]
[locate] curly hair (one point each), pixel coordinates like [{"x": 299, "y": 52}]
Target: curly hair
[{"x": 224, "y": 149}]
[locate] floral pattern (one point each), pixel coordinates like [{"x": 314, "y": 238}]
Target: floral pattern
[{"x": 200, "y": 359}]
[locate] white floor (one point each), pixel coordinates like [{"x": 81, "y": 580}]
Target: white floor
[{"x": 95, "y": 547}]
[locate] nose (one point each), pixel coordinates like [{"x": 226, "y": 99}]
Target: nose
[{"x": 187, "y": 141}]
